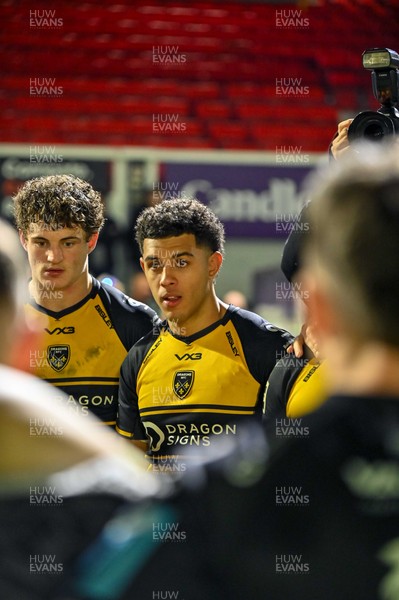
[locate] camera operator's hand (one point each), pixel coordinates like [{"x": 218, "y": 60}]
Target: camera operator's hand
[{"x": 340, "y": 144}]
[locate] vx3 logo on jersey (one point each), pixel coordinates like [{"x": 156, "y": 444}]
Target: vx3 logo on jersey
[
  {"x": 194, "y": 356},
  {"x": 59, "y": 330}
]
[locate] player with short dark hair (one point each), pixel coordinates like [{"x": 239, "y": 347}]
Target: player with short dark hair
[
  {"x": 207, "y": 368},
  {"x": 88, "y": 327}
]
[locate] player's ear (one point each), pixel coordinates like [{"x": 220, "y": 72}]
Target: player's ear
[
  {"x": 214, "y": 263},
  {"x": 22, "y": 239},
  {"x": 142, "y": 263},
  {"x": 92, "y": 241}
]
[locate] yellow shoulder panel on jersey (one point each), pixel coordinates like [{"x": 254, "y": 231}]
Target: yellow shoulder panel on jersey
[{"x": 309, "y": 390}]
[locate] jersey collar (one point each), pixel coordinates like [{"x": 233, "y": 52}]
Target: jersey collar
[
  {"x": 66, "y": 311},
  {"x": 199, "y": 334}
]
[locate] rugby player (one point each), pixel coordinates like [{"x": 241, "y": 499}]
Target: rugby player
[
  {"x": 206, "y": 370},
  {"x": 296, "y": 386},
  {"x": 87, "y": 326}
]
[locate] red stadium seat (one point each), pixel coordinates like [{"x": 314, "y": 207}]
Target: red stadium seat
[{"x": 220, "y": 76}]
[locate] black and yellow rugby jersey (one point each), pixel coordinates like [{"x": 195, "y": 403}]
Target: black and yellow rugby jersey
[
  {"x": 83, "y": 346},
  {"x": 180, "y": 391},
  {"x": 296, "y": 387}
]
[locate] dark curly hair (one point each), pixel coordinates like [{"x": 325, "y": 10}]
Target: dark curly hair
[
  {"x": 177, "y": 216},
  {"x": 59, "y": 201}
]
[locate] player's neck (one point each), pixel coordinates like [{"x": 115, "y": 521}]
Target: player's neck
[
  {"x": 57, "y": 300},
  {"x": 210, "y": 313},
  {"x": 372, "y": 371}
]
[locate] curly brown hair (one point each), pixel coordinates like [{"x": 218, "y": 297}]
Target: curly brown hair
[{"x": 59, "y": 201}]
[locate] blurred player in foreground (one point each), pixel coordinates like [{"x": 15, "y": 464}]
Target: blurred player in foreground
[{"x": 62, "y": 478}]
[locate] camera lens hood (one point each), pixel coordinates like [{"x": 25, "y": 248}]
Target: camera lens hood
[{"x": 372, "y": 126}]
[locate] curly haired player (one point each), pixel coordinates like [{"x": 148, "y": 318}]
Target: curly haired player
[{"x": 88, "y": 327}]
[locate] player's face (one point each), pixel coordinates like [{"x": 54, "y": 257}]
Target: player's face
[
  {"x": 58, "y": 259},
  {"x": 180, "y": 275}
]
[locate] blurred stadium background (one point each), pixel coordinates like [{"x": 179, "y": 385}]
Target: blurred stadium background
[{"x": 234, "y": 102}]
